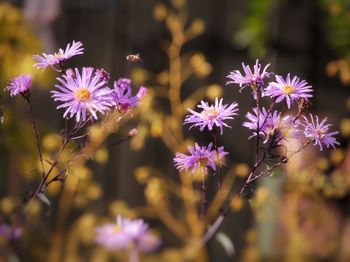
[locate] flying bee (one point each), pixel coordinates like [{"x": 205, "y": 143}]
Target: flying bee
[{"x": 134, "y": 58}]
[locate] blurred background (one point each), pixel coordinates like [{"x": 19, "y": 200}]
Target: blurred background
[{"x": 301, "y": 213}]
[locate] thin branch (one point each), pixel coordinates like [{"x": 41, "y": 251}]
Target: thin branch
[{"x": 35, "y": 131}]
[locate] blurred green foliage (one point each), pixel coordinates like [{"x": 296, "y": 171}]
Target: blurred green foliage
[{"x": 254, "y": 31}]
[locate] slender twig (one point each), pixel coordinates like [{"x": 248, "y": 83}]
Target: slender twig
[
  {"x": 204, "y": 201},
  {"x": 258, "y": 163},
  {"x": 35, "y": 131},
  {"x": 216, "y": 147},
  {"x": 214, "y": 227},
  {"x": 133, "y": 255},
  {"x": 119, "y": 141},
  {"x": 258, "y": 95},
  {"x": 43, "y": 181},
  {"x": 282, "y": 161}
]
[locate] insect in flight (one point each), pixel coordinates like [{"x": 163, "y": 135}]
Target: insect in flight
[{"x": 134, "y": 58}]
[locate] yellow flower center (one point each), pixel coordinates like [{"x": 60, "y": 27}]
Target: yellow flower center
[
  {"x": 117, "y": 229},
  {"x": 320, "y": 133},
  {"x": 288, "y": 90},
  {"x": 82, "y": 94},
  {"x": 210, "y": 114},
  {"x": 202, "y": 161}
]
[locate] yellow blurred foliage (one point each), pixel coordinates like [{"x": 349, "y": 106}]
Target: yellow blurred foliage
[
  {"x": 51, "y": 142},
  {"x": 214, "y": 91},
  {"x": 101, "y": 156},
  {"x": 160, "y": 12}
]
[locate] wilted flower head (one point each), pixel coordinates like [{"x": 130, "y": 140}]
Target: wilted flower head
[
  {"x": 123, "y": 95},
  {"x": 271, "y": 125},
  {"x": 54, "y": 60},
  {"x": 127, "y": 233},
  {"x": 288, "y": 89},
  {"x": 319, "y": 132},
  {"x": 82, "y": 93},
  {"x": 19, "y": 85},
  {"x": 255, "y": 79},
  {"x": 211, "y": 115},
  {"x": 200, "y": 158},
  {"x": 103, "y": 75}
]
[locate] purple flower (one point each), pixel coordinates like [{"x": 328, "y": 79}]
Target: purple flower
[
  {"x": 126, "y": 234},
  {"x": 288, "y": 89},
  {"x": 255, "y": 79},
  {"x": 83, "y": 93},
  {"x": 264, "y": 117},
  {"x": 123, "y": 96},
  {"x": 10, "y": 233},
  {"x": 200, "y": 158},
  {"x": 211, "y": 115},
  {"x": 54, "y": 60},
  {"x": 271, "y": 125},
  {"x": 19, "y": 85},
  {"x": 319, "y": 132}
]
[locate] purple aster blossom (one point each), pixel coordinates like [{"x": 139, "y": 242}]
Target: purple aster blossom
[
  {"x": 10, "y": 233},
  {"x": 319, "y": 132},
  {"x": 289, "y": 89},
  {"x": 54, "y": 60},
  {"x": 264, "y": 116},
  {"x": 126, "y": 234},
  {"x": 211, "y": 115},
  {"x": 200, "y": 158},
  {"x": 288, "y": 127},
  {"x": 255, "y": 79},
  {"x": 271, "y": 125},
  {"x": 123, "y": 96},
  {"x": 19, "y": 85},
  {"x": 82, "y": 93}
]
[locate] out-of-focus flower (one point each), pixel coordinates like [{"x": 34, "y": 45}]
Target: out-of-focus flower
[
  {"x": 288, "y": 89},
  {"x": 19, "y": 85},
  {"x": 123, "y": 96},
  {"x": 254, "y": 122},
  {"x": 255, "y": 79},
  {"x": 142, "y": 92},
  {"x": 10, "y": 233},
  {"x": 132, "y": 132},
  {"x": 126, "y": 234},
  {"x": 82, "y": 93},
  {"x": 271, "y": 125},
  {"x": 103, "y": 75},
  {"x": 319, "y": 132},
  {"x": 200, "y": 158},
  {"x": 54, "y": 60},
  {"x": 211, "y": 115}
]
